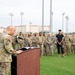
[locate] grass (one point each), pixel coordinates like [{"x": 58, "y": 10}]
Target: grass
[{"x": 53, "y": 65}]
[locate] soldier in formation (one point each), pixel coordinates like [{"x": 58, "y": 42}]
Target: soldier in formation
[
  {"x": 38, "y": 40},
  {"x": 40, "y": 43},
  {"x": 73, "y": 43},
  {"x": 46, "y": 42},
  {"x": 50, "y": 44},
  {"x": 67, "y": 44},
  {"x": 35, "y": 40}
]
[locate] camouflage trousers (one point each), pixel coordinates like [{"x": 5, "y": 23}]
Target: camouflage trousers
[
  {"x": 4, "y": 68},
  {"x": 47, "y": 49},
  {"x": 50, "y": 49},
  {"x": 73, "y": 47},
  {"x": 67, "y": 49},
  {"x": 41, "y": 50}
]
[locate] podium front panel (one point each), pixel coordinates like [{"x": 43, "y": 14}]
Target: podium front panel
[{"x": 28, "y": 62}]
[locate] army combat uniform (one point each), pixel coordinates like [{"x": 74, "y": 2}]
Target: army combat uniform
[
  {"x": 21, "y": 42},
  {"x": 35, "y": 40},
  {"x": 67, "y": 44},
  {"x": 73, "y": 42},
  {"x": 50, "y": 45},
  {"x": 40, "y": 43},
  {"x": 6, "y": 50}
]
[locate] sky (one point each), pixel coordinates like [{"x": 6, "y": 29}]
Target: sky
[{"x": 32, "y": 10}]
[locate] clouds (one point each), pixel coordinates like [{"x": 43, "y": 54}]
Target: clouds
[
  {"x": 33, "y": 12},
  {"x": 67, "y": 6},
  {"x": 31, "y": 9}
]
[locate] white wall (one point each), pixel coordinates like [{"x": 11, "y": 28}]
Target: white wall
[
  {"x": 28, "y": 28},
  {"x": 1, "y": 29}
]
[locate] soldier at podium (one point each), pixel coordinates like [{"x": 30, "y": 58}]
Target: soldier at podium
[{"x": 6, "y": 50}]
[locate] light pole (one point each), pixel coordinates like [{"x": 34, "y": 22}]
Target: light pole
[
  {"x": 21, "y": 19},
  {"x": 52, "y": 23},
  {"x": 63, "y": 21},
  {"x": 42, "y": 15},
  {"x": 30, "y": 25},
  {"x": 67, "y": 20},
  {"x": 11, "y": 14},
  {"x": 50, "y": 16}
]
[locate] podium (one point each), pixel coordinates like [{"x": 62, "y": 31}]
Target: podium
[{"x": 26, "y": 63}]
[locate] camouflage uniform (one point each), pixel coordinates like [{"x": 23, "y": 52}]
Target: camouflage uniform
[
  {"x": 35, "y": 40},
  {"x": 40, "y": 43},
  {"x": 29, "y": 40},
  {"x": 6, "y": 50},
  {"x": 44, "y": 43},
  {"x": 73, "y": 42},
  {"x": 26, "y": 42},
  {"x": 50, "y": 45},
  {"x": 4, "y": 68},
  {"x": 47, "y": 44},
  {"x": 20, "y": 39},
  {"x": 67, "y": 44},
  {"x": 15, "y": 43},
  {"x": 32, "y": 39}
]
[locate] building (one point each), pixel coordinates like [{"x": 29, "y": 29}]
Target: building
[
  {"x": 1, "y": 29},
  {"x": 28, "y": 28},
  {"x": 31, "y": 28}
]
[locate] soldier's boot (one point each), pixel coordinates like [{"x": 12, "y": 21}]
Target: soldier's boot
[{"x": 63, "y": 55}]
